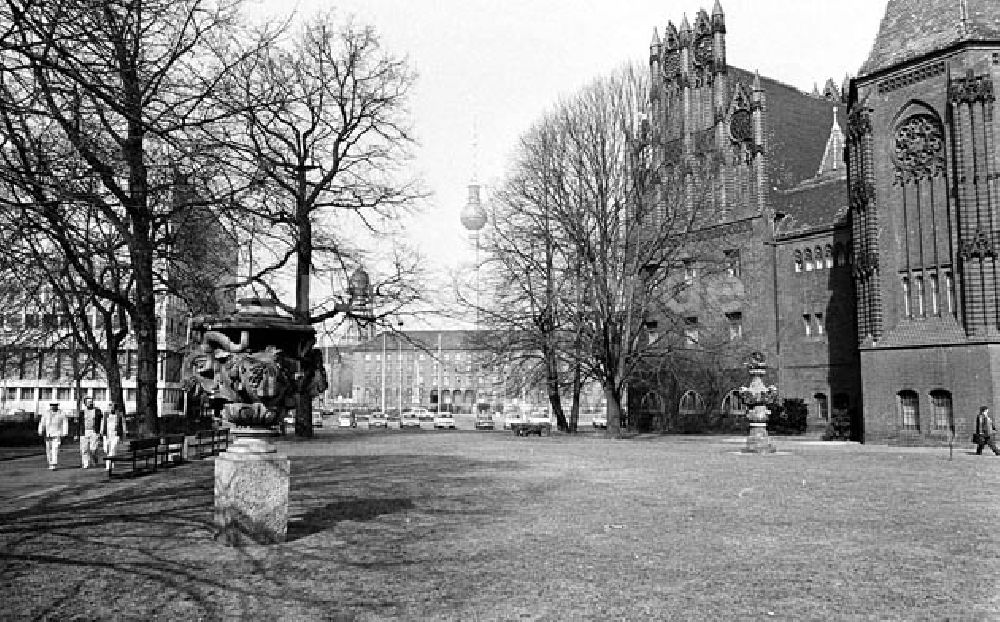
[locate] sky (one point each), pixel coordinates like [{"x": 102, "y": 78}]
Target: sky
[{"x": 498, "y": 65}]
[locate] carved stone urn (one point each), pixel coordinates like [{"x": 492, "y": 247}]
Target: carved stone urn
[
  {"x": 255, "y": 365},
  {"x": 757, "y": 397}
]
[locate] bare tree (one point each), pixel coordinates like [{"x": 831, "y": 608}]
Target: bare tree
[
  {"x": 613, "y": 219},
  {"x": 327, "y": 156},
  {"x": 120, "y": 86}
]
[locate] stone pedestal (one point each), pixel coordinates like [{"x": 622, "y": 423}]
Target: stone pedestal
[
  {"x": 251, "y": 494},
  {"x": 758, "y": 441}
]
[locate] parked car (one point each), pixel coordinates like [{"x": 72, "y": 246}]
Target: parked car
[
  {"x": 512, "y": 417},
  {"x": 444, "y": 420},
  {"x": 318, "y": 419},
  {"x": 409, "y": 419},
  {"x": 378, "y": 420},
  {"x": 484, "y": 421},
  {"x": 423, "y": 414},
  {"x": 362, "y": 421},
  {"x": 346, "y": 420},
  {"x": 392, "y": 420},
  {"x": 600, "y": 420}
]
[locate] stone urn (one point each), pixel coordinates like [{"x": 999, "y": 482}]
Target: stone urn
[
  {"x": 257, "y": 364},
  {"x": 758, "y": 397}
]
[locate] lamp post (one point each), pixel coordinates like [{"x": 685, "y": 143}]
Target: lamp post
[{"x": 399, "y": 356}]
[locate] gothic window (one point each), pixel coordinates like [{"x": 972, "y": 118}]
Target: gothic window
[
  {"x": 822, "y": 406},
  {"x": 941, "y": 409},
  {"x": 918, "y": 148},
  {"x": 918, "y": 292},
  {"x": 828, "y": 256},
  {"x": 692, "y": 403},
  {"x": 809, "y": 260},
  {"x": 949, "y": 291},
  {"x": 807, "y": 324},
  {"x": 691, "y": 331},
  {"x": 906, "y": 297},
  {"x": 909, "y": 409},
  {"x": 732, "y": 262},
  {"x": 818, "y": 255},
  {"x": 735, "y": 320},
  {"x": 732, "y": 404},
  {"x": 820, "y": 326},
  {"x": 798, "y": 261},
  {"x": 935, "y": 304}
]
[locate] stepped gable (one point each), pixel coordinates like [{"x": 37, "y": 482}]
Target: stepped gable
[
  {"x": 798, "y": 128},
  {"x": 912, "y": 28}
]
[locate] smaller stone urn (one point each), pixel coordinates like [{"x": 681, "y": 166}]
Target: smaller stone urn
[{"x": 757, "y": 397}]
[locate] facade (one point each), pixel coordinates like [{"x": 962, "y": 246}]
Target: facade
[
  {"x": 924, "y": 197},
  {"x": 777, "y": 279},
  {"x": 450, "y": 370}
]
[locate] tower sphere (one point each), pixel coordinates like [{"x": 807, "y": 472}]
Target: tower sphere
[{"x": 474, "y": 216}]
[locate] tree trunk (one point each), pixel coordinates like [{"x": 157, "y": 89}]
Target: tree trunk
[
  {"x": 303, "y": 270},
  {"x": 574, "y": 413},
  {"x": 145, "y": 337},
  {"x": 614, "y": 412},
  {"x": 552, "y": 384},
  {"x": 113, "y": 373}
]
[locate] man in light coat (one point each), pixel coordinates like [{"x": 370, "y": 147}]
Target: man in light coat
[
  {"x": 89, "y": 428},
  {"x": 53, "y": 426}
]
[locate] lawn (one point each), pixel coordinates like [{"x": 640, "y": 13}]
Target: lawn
[{"x": 483, "y": 526}]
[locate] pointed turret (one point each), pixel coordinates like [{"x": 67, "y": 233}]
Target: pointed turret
[
  {"x": 756, "y": 83},
  {"x": 815, "y": 92},
  {"x": 833, "y": 155},
  {"x": 718, "y": 18},
  {"x": 831, "y": 91},
  {"x": 702, "y": 24},
  {"x": 685, "y": 32},
  {"x": 845, "y": 88},
  {"x": 656, "y": 38},
  {"x": 670, "y": 37}
]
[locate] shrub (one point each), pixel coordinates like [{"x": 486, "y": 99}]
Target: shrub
[
  {"x": 788, "y": 417},
  {"x": 839, "y": 428},
  {"x": 19, "y": 433}
]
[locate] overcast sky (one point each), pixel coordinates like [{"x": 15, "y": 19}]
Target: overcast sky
[{"x": 502, "y": 63}]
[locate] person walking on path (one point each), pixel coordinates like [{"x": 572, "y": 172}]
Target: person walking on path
[
  {"x": 53, "y": 426},
  {"x": 984, "y": 432},
  {"x": 89, "y": 427},
  {"x": 113, "y": 430}
]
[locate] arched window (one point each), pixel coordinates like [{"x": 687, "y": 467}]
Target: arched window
[
  {"x": 822, "y": 406},
  {"x": 949, "y": 291},
  {"x": 935, "y": 295},
  {"x": 818, "y": 254},
  {"x": 941, "y": 410},
  {"x": 828, "y": 256},
  {"x": 909, "y": 409},
  {"x": 650, "y": 403},
  {"x": 918, "y": 292},
  {"x": 732, "y": 404},
  {"x": 906, "y": 297},
  {"x": 798, "y": 261},
  {"x": 692, "y": 403},
  {"x": 809, "y": 260}
]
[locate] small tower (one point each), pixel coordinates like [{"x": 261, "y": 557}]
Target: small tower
[
  {"x": 655, "y": 66},
  {"x": 759, "y": 107}
]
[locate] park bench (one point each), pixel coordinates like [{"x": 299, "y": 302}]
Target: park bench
[
  {"x": 210, "y": 442},
  {"x": 142, "y": 450},
  {"x": 171, "y": 449},
  {"x": 527, "y": 428}
]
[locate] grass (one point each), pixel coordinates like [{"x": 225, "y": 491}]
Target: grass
[{"x": 467, "y": 526}]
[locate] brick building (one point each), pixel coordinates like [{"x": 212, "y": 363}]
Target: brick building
[
  {"x": 924, "y": 197},
  {"x": 778, "y": 225}
]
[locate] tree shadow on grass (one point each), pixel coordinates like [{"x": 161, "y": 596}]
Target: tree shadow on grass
[{"x": 323, "y": 518}]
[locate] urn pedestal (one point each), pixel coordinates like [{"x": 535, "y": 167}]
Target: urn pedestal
[
  {"x": 251, "y": 493},
  {"x": 757, "y": 398}
]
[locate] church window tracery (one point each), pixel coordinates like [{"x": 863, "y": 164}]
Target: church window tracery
[{"x": 918, "y": 148}]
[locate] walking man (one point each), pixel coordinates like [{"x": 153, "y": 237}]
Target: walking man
[
  {"x": 984, "y": 430},
  {"x": 113, "y": 430},
  {"x": 89, "y": 429},
  {"x": 53, "y": 426}
]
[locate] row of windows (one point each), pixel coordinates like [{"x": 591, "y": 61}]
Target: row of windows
[
  {"x": 65, "y": 394},
  {"x": 732, "y": 265},
  {"x": 692, "y": 402},
  {"x": 818, "y": 258},
  {"x": 408, "y": 356},
  {"x": 734, "y": 324},
  {"x": 814, "y": 324},
  {"x": 942, "y": 417},
  {"x": 922, "y": 295}
]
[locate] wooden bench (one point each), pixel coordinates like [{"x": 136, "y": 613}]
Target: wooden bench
[
  {"x": 211, "y": 442},
  {"x": 524, "y": 429},
  {"x": 171, "y": 449},
  {"x": 142, "y": 450}
]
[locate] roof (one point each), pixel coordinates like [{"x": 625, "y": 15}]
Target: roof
[
  {"x": 912, "y": 28},
  {"x": 941, "y": 330},
  {"x": 798, "y": 128},
  {"x": 821, "y": 202},
  {"x": 427, "y": 340}
]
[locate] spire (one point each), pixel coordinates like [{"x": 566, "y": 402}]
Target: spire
[
  {"x": 670, "y": 37},
  {"x": 718, "y": 18},
  {"x": 756, "y": 82},
  {"x": 834, "y": 152},
  {"x": 685, "y": 32},
  {"x": 656, "y": 38}
]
